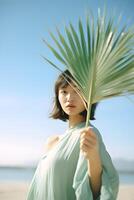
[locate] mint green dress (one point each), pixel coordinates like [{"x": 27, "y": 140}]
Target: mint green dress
[{"x": 62, "y": 173}]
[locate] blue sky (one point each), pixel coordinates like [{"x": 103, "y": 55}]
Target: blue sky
[{"x": 27, "y": 81}]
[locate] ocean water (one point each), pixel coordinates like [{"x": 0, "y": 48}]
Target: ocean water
[
  {"x": 126, "y": 178},
  {"x": 16, "y": 174},
  {"x": 26, "y": 174}
]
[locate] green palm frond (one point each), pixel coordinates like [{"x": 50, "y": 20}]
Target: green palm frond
[{"x": 101, "y": 60}]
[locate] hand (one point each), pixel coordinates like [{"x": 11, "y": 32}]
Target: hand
[{"x": 89, "y": 143}]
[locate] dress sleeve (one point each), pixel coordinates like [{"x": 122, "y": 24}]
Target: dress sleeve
[
  {"x": 110, "y": 178},
  {"x": 81, "y": 180}
]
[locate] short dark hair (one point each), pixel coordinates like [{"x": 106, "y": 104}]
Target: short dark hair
[{"x": 57, "y": 112}]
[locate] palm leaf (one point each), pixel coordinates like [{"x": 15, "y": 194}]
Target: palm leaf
[{"x": 101, "y": 61}]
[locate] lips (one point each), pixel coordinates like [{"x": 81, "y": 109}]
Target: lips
[{"x": 70, "y": 106}]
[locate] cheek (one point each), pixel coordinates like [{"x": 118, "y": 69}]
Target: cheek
[
  {"x": 61, "y": 99},
  {"x": 81, "y": 105}
]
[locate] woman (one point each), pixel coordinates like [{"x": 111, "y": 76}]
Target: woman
[{"x": 76, "y": 165}]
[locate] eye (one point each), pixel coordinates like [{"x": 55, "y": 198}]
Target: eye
[{"x": 63, "y": 92}]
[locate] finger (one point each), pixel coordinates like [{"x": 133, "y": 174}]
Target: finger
[
  {"x": 91, "y": 141},
  {"x": 85, "y": 129},
  {"x": 87, "y": 144},
  {"x": 88, "y": 131},
  {"x": 84, "y": 148},
  {"x": 88, "y": 141},
  {"x": 92, "y": 133},
  {"x": 88, "y": 137}
]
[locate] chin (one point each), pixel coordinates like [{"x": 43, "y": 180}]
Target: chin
[{"x": 72, "y": 112}]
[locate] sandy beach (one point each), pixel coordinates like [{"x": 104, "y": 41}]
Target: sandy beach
[
  {"x": 13, "y": 190},
  {"x": 18, "y": 191}
]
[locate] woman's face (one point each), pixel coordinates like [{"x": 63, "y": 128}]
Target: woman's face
[{"x": 70, "y": 101}]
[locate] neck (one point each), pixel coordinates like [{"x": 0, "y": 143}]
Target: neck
[{"x": 74, "y": 120}]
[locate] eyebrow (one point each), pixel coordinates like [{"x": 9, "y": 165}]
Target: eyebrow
[{"x": 64, "y": 87}]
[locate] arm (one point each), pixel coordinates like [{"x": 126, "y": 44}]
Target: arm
[
  {"x": 103, "y": 177},
  {"x": 90, "y": 148},
  {"x": 95, "y": 172},
  {"x": 110, "y": 177}
]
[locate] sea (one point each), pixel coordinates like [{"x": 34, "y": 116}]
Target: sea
[{"x": 21, "y": 174}]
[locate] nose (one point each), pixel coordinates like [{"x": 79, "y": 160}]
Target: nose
[{"x": 70, "y": 97}]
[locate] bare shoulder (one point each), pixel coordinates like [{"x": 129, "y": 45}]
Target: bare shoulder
[
  {"x": 50, "y": 142},
  {"x": 52, "y": 138}
]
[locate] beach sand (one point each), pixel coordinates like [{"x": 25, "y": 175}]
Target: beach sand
[
  {"x": 18, "y": 191},
  {"x": 126, "y": 192},
  {"x": 13, "y": 190}
]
